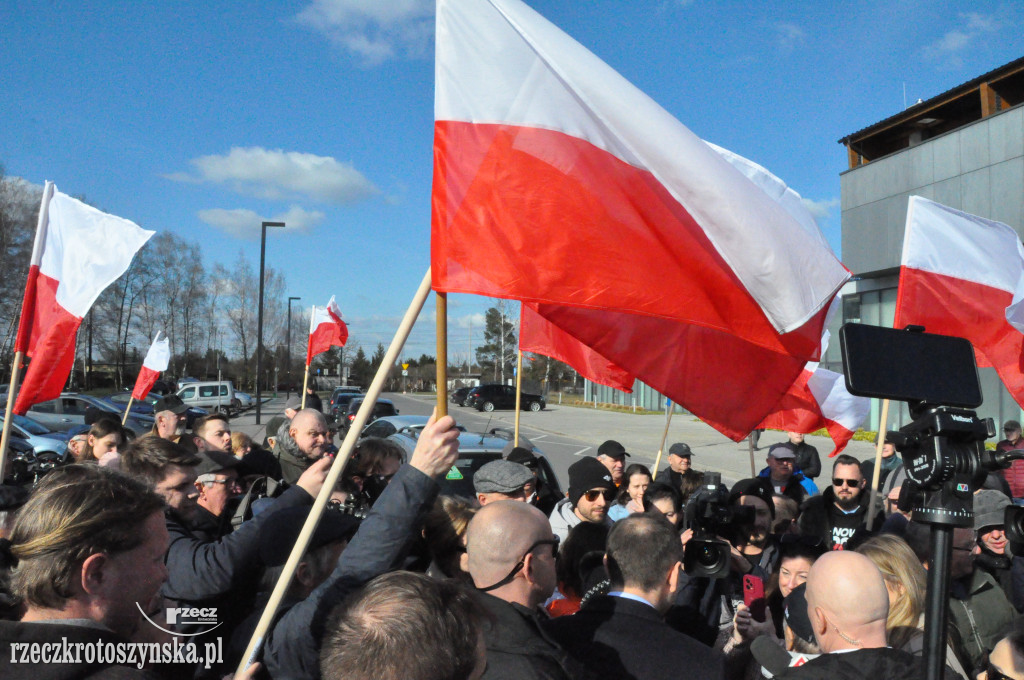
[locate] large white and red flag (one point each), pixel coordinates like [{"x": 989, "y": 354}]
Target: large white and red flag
[
  {"x": 78, "y": 252},
  {"x": 538, "y": 335},
  {"x": 158, "y": 358},
  {"x": 326, "y": 330},
  {"x": 558, "y": 183},
  {"x": 963, "y": 275}
]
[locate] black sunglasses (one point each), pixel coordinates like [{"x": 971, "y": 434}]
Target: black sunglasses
[
  {"x": 848, "y": 482},
  {"x": 592, "y": 494},
  {"x": 553, "y": 542}
]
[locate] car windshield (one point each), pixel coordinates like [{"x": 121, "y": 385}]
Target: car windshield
[{"x": 29, "y": 425}]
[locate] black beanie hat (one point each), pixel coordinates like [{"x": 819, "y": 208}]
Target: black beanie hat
[{"x": 585, "y": 474}]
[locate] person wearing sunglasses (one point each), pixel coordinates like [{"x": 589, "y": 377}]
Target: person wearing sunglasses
[
  {"x": 842, "y": 508},
  {"x": 510, "y": 555},
  {"x": 591, "y": 493}
]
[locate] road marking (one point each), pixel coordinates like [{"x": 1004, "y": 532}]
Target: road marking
[
  {"x": 582, "y": 451},
  {"x": 538, "y": 436}
]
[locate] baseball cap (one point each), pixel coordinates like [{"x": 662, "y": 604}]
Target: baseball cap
[
  {"x": 782, "y": 450},
  {"x": 795, "y": 612},
  {"x": 501, "y": 476},
  {"x": 522, "y": 456},
  {"x": 170, "y": 402},
  {"x": 680, "y": 449},
  {"x": 612, "y": 449}
]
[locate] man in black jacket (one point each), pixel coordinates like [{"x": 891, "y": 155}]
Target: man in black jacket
[
  {"x": 842, "y": 508},
  {"x": 807, "y": 460},
  {"x": 624, "y": 634},
  {"x": 381, "y": 544},
  {"x": 511, "y": 556},
  {"x": 301, "y": 444},
  {"x": 680, "y": 474}
]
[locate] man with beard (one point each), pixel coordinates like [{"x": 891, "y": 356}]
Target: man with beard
[
  {"x": 842, "y": 509},
  {"x": 300, "y": 445},
  {"x": 169, "y": 416},
  {"x": 591, "y": 492},
  {"x": 679, "y": 474}
]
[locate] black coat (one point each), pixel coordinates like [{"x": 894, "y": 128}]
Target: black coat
[
  {"x": 618, "y": 638},
  {"x": 517, "y": 647},
  {"x": 819, "y": 516},
  {"x": 807, "y": 460},
  {"x": 862, "y": 664}
]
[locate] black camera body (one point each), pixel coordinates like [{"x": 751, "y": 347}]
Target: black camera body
[
  {"x": 945, "y": 459},
  {"x": 713, "y": 519}
]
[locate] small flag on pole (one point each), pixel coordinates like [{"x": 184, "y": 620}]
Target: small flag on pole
[
  {"x": 326, "y": 330},
  {"x": 78, "y": 252},
  {"x": 157, "y": 359}
]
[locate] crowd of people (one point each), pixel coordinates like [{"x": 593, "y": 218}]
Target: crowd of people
[{"x": 181, "y": 535}]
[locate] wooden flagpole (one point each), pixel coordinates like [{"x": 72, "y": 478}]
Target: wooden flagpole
[
  {"x": 883, "y": 423},
  {"x": 305, "y": 378},
  {"x": 11, "y": 392},
  {"x": 19, "y": 356},
  {"x": 372, "y": 393},
  {"x": 127, "y": 409},
  {"x": 442, "y": 354},
  {"x": 519, "y": 393},
  {"x": 669, "y": 410}
]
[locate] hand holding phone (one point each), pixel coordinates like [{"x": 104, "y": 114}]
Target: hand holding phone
[{"x": 753, "y": 597}]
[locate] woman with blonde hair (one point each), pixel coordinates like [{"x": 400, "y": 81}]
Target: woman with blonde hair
[{"x": 907, "y": 582}]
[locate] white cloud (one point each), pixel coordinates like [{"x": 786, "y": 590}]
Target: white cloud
[
  {"x": 788, "y": 36},
  {"x": 244, "y": 223},
  {"x": 947, "y": 51},
  {"x": 373, "y": 30},
  {"x": 820, "y": 209},
  {"x": 276, "y": 174}
]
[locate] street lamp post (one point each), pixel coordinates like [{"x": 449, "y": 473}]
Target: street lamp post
[
  {"x": 288, "y": 351},
  {"x": 259, "y": 323}
]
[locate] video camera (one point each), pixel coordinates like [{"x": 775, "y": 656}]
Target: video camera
[
  {"x": 713, "y": 520},
  {"x": 943, "y": 449}
]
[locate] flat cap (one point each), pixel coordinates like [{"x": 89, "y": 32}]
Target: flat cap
[
  {"x": 501, "y": 476},
  {"x": 612, "y": 449},
  {"x": 680, "y": 449}
]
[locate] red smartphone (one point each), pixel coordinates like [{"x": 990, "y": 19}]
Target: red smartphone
[{"x": 753, "y": 596}]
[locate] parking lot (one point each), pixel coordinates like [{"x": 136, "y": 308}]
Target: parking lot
[{"x": 564, "y": 433}]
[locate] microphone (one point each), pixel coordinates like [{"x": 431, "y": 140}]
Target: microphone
[{"x": 767, "y": 652}]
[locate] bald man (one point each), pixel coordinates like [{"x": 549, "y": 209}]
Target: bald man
[
  {"x": 847, "y": 603},
  {"x": 510, "y": 554},
  {"x": 302, "y": 444}
]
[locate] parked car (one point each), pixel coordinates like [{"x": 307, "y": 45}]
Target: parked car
[
  {"x": 383, "y": 407},
  {"x": 459, "y": 396},
  {"x": 185, "y": 381},
  {"x": 388, "y": 425},
  {"x": 68, "y": 411},
  {"x": 245, "y": 400},
  {"x": 494, "y": 396},
  {"x": 37, "y": 435},
  {"x": 475, "y": 451},
  {"x": 339, "y": 404},
  {"x": 211, "y": 395},
  {"x": 145, "y": 406}
]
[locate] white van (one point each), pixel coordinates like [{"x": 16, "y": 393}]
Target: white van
[{"x": 212, "y": 395}]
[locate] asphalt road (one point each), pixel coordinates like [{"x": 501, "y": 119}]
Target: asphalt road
[{"x": 564, "y": 433}]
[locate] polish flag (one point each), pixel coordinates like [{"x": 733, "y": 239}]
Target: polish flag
[
  {"x": 157, "y": 359},
  {"x": 963, "y": 275},
  {"x": 558, "y": 183},
  {"x": 538, "y": 335},
  {"x": 78, "y": 252},
  {"x": 326, "y": 329},
  {"x": 818, "y": 399}
]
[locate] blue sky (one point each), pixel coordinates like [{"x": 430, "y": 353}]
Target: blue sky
[{"x": 204, "y": 118}]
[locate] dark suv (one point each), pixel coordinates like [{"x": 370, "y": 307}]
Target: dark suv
[
  {"x": 339, "y": 404},
  {"x": 383, "y": 407},
  {"x": 459, "y": 396},
  {"x": 490, "y": 397}
]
